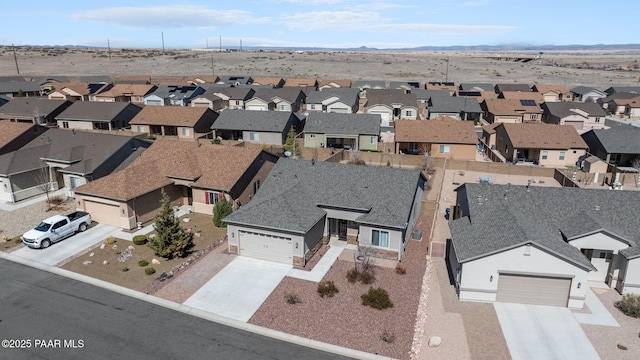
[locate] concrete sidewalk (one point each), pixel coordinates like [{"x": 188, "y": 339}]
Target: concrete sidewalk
[
  {"x": 6, "y": 206},
  {"x": 321, "y": 268},
  {"x": 599, "y": 313}
]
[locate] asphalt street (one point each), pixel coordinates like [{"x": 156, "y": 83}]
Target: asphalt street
[{"x": 47, "y": 316}]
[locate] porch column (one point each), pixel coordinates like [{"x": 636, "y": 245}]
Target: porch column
[{"x": 110, "y": 126}]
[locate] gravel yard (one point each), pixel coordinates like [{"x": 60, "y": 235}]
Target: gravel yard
[{"x": 17, "y": 222}]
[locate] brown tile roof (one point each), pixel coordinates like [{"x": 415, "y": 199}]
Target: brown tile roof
[
  {"x": 491, "y": 128},
  {"x": 544, "y": 136},
  {"x": 265, "y": 80},
  {"x": 136, "y": 79},
  {"x": 170, "y": 115},
  {"x": 128, "y": 90},
  {"x": 545, "y": 88},
  {"x": 440, "y": 86},
  {"x": 509, "y": 107},
  {"x": 11, "y": 130},
  {"x": 209, "y": 166},
  {"x": 343, "y": 83},
  {"x": 633, "y": 102},
  {"x": 301, "y": 82},
  {"x": 487, "y": 95},
  {"x": 443, "y": 130},
  {"x": 204, "y": 79},
  {"x": 522, "y": 95}
]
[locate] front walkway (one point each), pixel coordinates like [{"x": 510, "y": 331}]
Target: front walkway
[
  {"x": 7, "y": 206},
  {"x": 599, "y": 313}
]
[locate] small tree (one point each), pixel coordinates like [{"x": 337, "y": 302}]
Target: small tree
[
  {"x": 42, "y": 178},
  {"x": 289, "y": 144},
  {"x": 426, "y": 163},
  {"x": 172, "y": 240},
  {"x": 220, "y": 211}
]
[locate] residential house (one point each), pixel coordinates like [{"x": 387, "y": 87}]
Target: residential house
[
  {"x": 304, "y": 204},
  {"x": 260, "y": 127},
  {"x": 182, "y": 122},
  {"x": 173, "y": 95},
  {"x": 542, "y": 245},
  {"x": 209, "y": 99},
  {"x": 132, "y": 79},
  {"x": 33, "y": 110},
  {"x": 474, "y": 89},
  {"x": 540, "y": 144},
  {"x": 284, "y": 99},
  {"x": 511, "y": 111},
  {"x": 458, "y": 107},
  {"x": 441, "y": 85},
  {"x": 498, "y": 88},
  {"x": 190, "y": 173},
  {"x": 553, "y": 93},
  {"x": 625, "y": 107},
  {"x": 232, "y": 97},
  {"x": 11, "y": 89},
  {"x": 129, "y": 92},
  {"x": 610, "y": 103},
  {"x": 587, "y": 94},
  {"x": 622, "y": 89},
  {"x": 202, "y": 79},
  {"x": 335, "y": 83},
  {"x": 78, "y": 91},
  {"x": 364, "y": 85},
  {"x": 443, "y": 137},
  {"x": 274, "y": 82},
  {"x": 391, "y": 104},
  {"x": 581, "y": 115},
  {"x": 302, "y": 82},
  {"x": 90, "y": 115},
  {"x": 63, "y": 158},
  {"x": 234, "y": 80},
  {"x": 618, "y": 145},
  {"x": 423, "y": 96},
  {"x": 333, "y": 100},
  {"x": 406, "y": 86},
  {"x": 14, "y": 135},
  {"x": 345, "y": 131},
  {"x": 529, "y": 97}
]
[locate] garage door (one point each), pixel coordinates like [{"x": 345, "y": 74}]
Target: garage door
[
  {"x": 579, "y": 125},
  {"x": 266, "y": 247},
  {"x": 256, "y": 108},
  {"x": 338, "y": 110},
  {"x": 103, "y": 213},
  {"x": 535, "y": 290},
  {"x": 154, "y": 102},
  {"x": 384, "y": 115}
]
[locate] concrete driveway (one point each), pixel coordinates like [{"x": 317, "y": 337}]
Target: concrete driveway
[
  {"x": 68, "y": 247},
  {"x": 543, "y": 332},
  {"x": 239, "y": 289}
]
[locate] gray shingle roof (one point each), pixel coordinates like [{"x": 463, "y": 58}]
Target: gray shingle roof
[
  {"x": 97, "y": 111},
  {"x": 425, "y": 95},
  {"x": 369, "y": 84},
  {"x": 618, "y": 139},
  {"x": 269, "y": 121},
  {"x": 476, "y": 86},
  {"x": 30, "y": 106},
  {"x": 506, "y": 216},
  {"x": 174, "y": 92},
  {"x": 564, "y": 109},
  {"x": 290, "y": 94},
  {"x": 389, "y": 97},
  {"x": 450, "y": 104},
  {"x": 292, "y": 196},
  {"x": 347, "y": 124},
  {"x": 583, "y": 90},
  {"x": 16, "y": 86},
  {"x": 346, "y": 95}
]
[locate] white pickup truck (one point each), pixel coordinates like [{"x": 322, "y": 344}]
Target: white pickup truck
[{"x": 56, "y": 228}]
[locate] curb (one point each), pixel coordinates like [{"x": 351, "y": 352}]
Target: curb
[{"x": 274, "y": 334}]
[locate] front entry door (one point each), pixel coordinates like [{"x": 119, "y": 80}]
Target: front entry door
[{"x": 342, "y": 229}]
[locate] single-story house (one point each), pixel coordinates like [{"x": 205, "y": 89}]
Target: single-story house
[
  {"x": 553, "y": 92},
  {"x": 618, "y": 145},
  {"x": 33, "y": 110},
  {"x": 540, "y": 144},
  {"x": 173, "y": 95},
  {"x": 441, "y": 85},
  {"x": 14, "y": 135},
  {"x": 629, "y": 107},
  {"x": 64, "y": 158},
  {"x": 423, "y": 95},
  {"x": 303, "y": 204},
  {"x": 270, "y": 99},
  {"x": 133, "y": 93},
  {"x": 183, "y": 122},
  {"x": 581, "y": 115},
  {"x": 529, "y": 97},
  {"x": 474, "y": 89},
  {"x": 234, "y": 80},
  {"x": 260, "y": 127},
  {"x": 232, "y": 97},
  {"x": 609, "y": 103},
  {"x": 391, "y": 104},
  {"x": 191, "y": 173},
  {"x": 334, "y": 84},
  {"x": 499, "y": 88},
  {"x": 587, "y": 94},
  {"x": 511, "y": 111},
  {"x": 542, "y": 245},
  {"x": 209, "y": 99},
  {"x": 406, "y": 86},
  {"x": 622, "y": 89},
  {"x": 275, "y": 82},
  {"x": 92, "y": 115},
  {"x": 336, "y": 130},
  {"x": 441, "y": 137},
  {"x": 333, "y": 100},
  {"x": 19, "y": 88},
  {"x": 458, "y": 107},
  {"x": 302, "y": 82},
  {"x": 77, "y": 91}
]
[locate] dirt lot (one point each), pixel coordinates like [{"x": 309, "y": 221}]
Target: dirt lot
[{"x": 592, "y": 69}]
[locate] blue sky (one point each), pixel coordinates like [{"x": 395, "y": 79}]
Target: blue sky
[{"x": 324, "y": 23}]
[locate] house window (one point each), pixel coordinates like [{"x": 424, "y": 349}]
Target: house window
[
  {"x": 212, "y": 197},
  {"x": 597, "y": 119},
  {"x": 74, "y": 182},
  {"x": 140, "y": 128},
  {"x": 414, "y": 147},
  {"x": 312, "y": 135},
  {"x": 527, "y": 250},
  {"x": 185, "y": 131},
  {"x": 256, "y": 186},
  {"x": 374, "y": 139},
  {"x": 534, "y": 116},
  {"x": 283, "y": 107},
  {"x": 545, "y": 154},
  {"x": 409, "y": 113},
  {"x": 313, "y": 106},
  {"x": 254, "y": 136},
  {"x": 445, "y": 149},
  {"x": 380, "y": 238},
  {"x": 65, "y": 124},
  {"x": 562, "y": 153}
]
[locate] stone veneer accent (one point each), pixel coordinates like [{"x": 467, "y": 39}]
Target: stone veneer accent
[
  {"x": 233, "y": 249},
  {"x": 352, "y": 240},
  {"x": 298, "y": 261},
  {"x": 385, "y": 254}
]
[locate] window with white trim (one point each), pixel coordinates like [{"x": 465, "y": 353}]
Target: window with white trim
[
  {"x": 545, "y": 154},
  {"x": 283, "y": 107},
  {"x": 561, "y": 157},
  {"x": 74, "y": 182},
  {"x": 445, "y": 149},
  {"x": 408, "y": 113},
  {"x": 140, "y": 128},
  {"x": 597, "y": 119},
  {"x": 212, "y": 197},
  {"x": 313, "y": 106},
  {"x": 254, "y": 136},
  {"x": 374, "y": 139},
  {"x": 185, "y": 131},
  {"x": 380, "y": 238}
]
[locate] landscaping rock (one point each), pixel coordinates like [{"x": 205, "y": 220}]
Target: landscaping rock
[
  {"x": 152, "y": 236},
  {"x": 88, "y": 262},
  {"x": 186, "y": 219},
  {"x": 92, "y": 254},
  {"x": 131, "y": 247},
  {"x": 115, "y": 246},
  {"x": 105, "y": 262},
  {"x": 435, "y": 341},
  {"x": 102, "y": 246},
  {"x": 155, "y": 261}
]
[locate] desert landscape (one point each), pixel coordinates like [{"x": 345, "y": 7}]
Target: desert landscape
[{"x": 599, "y": 69}]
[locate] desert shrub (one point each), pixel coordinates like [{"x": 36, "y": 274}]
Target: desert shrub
[
  {"x": 353, "y": 275},
  {"x": 143, "y": 263},
  {"x": 387, "y": 336},
  {"x": 292, "y": 298},
  {"x": 327, "y": 288},
  {"x": 630, "y": 305},
  {"x": 110, "y": 240},
  {"x": 125, "y": 269},
  {"x": 401, "y": 269},
  {"x": 17, "y": 240},
  {"x": 220, "y": 211},
  {"x": 367, "y": 277},
  {"x": 216, "y": 141},
  {"x": 377, "y": 298},
  {"x": 149, "y": 271},
  {"x": 139, "y": 240}
]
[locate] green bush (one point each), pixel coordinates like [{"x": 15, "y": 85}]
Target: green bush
[
  {"x": 353, "y": 275},
  {"x": 367, "y": 277},
  {"x": 216, "y": 141},
  {"x": 149, "y": 271},
  {"x": 292, "y": 298},
  {"x": 630, "y": 305},
  {"x": 143, "y": 263},
  {"x": 125, "y": 269},
  {"x": 377, "y": 298},
  {"x": 327, "y": 288},
  {"x": 110, "y": 240},
  {"x": 220, "y": 211},
  {"x": 139, "y": 240}
]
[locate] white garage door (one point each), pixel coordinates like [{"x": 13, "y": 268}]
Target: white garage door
[
  {"x": 266, "y": 247},
  {"x": 256, "y": 108},
  {"x": 103, "y": 213},
  {"x": 339, "y": 110},
  {"x": 535, "y": 290},
  {"x": 154, "y": 102},
  {"x": 384, "y": 115}
]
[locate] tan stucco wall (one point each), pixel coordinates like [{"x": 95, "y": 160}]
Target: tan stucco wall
[
  {"x": 457, "y": 152},
  {"x": 570, "y": 158},
  {"x": 200, "y": 205},
  {"x": 364, "y": 141},
  {"x": 85, "y": 125}
]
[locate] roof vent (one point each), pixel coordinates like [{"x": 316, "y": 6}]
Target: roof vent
[{"x": 596, "y": 208}]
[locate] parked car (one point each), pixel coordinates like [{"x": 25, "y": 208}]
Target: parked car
[{"x": 56, "y": 228}]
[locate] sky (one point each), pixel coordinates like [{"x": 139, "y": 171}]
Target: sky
[{"x": 318, "y": 23}]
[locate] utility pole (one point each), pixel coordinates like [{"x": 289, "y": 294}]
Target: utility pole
[
  {"x": 213, "y": 72},
  {"x": 446, "y": 77},
  {"x": 207, "y": 43},
  {"x": 162, "y": 42},
  {"x": 109, "y": 48},
  {"x": 240, "y": 45},
  {"x": 220, "y": 43},
  {"x": 15, "y": 58}
]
